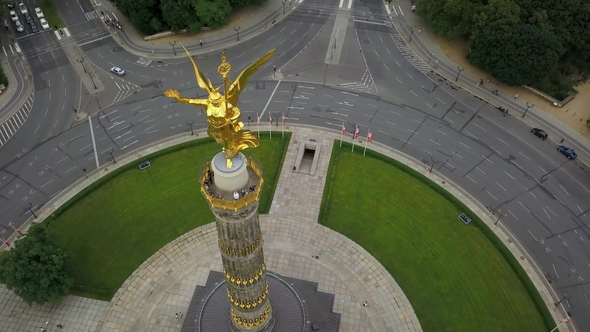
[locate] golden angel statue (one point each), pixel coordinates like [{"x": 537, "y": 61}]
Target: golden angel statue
[{"x": 223, "y": 116}]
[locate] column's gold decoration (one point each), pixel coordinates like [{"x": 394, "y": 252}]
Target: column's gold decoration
[{"x": 223, "y": 116}]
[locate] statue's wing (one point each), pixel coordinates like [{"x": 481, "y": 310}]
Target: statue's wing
[
  {"x": 240, "y": 82},
  {"x": 204, "y": 82}
]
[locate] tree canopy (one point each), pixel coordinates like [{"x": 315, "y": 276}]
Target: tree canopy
[
  {"x": 153, "y": 16},
  {"x": 519, "y": 41},
  {"x": 37, "y": 269}
]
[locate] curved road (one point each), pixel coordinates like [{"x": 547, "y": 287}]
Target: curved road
[{"x": 541, "y": 197}]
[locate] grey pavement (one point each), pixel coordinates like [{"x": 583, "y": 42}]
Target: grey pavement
[{"x": 164, "y": 283}]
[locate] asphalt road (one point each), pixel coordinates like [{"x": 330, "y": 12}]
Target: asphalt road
[{"x": 542, "y": 198}]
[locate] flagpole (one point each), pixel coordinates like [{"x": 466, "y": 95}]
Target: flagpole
[
  {"x": 567, "y": 320},
  {"x": 342, "y": 133},
  {"x": 353, "y": 138},
  {"x": 283, "y": 133},
  {"x": 366, "y": 142},
  {"x": 258, "y": 123},
  {"x": 270, "y": 122}
]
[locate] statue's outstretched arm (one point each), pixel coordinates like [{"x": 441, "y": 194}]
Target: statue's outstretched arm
[{"x": 194, "y": 101}]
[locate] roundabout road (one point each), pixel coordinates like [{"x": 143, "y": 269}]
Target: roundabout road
[{"x": 542, "y": 198}]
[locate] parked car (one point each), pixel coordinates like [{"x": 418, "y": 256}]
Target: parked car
[
  {"x": 28, "y": 18},
  {"x": 39, "y": 12},
  {"x": 19, "y": 26},
  {"x": 34, "y": 27},
  {"x": 539, "y": 133},
  {"x": 569, "y": 153},
  {"x": 118, "y": 71},
  {"x": 44, "y": 23},
  {"x": 11, "y": 6},
  {"x": 22, "y": 8},
  {"x": 13, "y": 15}
]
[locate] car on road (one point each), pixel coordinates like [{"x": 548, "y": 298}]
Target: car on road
[
  {"x": 13, "y": 15},
  {"x": 28, "y": 18},
  {"x": 44, "y": 23},
  {"x": 11, "y": 6},
  {"x": 569, "y": 153},
  {"x": 34, "y": 27},
  {"x": 118, "y": 71},
  {"x": 19, "y": 26},
  {"x": 22, "y": 8},
  {"x": 39, "y": 12},
  {"x": 539, "y": 133}
]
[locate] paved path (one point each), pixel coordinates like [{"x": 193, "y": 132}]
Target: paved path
[{"x": 164, "y": 283}]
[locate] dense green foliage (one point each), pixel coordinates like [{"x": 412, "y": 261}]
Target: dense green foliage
[
  {"x": 153, "y": 16},
  {"x": 37, "y": 269},
  {"x": 121, "y": 220},
  {"x": 457, "y": 277},
  {"x": 518, "y": 41}
]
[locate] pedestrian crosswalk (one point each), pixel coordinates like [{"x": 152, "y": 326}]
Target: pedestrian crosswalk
[
  {"x": 12, "y": 49},
  {"x": 409, "y": 54},
  {"x": 15, "y": 122},
  {"x": 143, "y": 62}
]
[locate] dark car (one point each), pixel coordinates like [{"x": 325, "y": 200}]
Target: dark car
[
  {"x": 539, "y": 133},
  {"x": 28, "y": 18},
  {"x": 34, "y": 27},
  {"x": 569, "y": 153}
]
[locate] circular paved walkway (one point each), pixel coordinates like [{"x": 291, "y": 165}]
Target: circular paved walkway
[{"x": 164, "y": 284}]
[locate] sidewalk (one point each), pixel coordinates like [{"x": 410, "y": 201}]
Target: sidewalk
[{"x": 424, "y": 43}]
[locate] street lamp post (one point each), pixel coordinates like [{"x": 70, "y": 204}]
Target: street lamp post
[
  {"x": 500, "y": 215},
  {"x": 528, "y": 105},
  {"x": 284, "y": 2},
  {"x": 237, "y": 30},
  {"x": 30, "y": 208},
  {"x": 411, "y": 33},
  {"x": 173, "y": 44},
  {"x": 476, "y": 86},
  {"x": 89, "y": 73},
  {"x": 564, "y": 297},
  {"x": 84, "y": 170},
  {"x": 111, "y": 151},
  {"x": 429, "y": 56},
  {"x": 459, "y": 70},
  {"x": 191, "y": 125}
]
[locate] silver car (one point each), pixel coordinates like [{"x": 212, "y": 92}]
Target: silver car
[
  {"x": 118, "y": 71},
  {"x": 19, "y": 26}
]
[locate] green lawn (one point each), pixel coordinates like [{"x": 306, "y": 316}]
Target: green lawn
[
  {"x": 453, "y": 275},
  {"x": 113, "y": 230},
  {"x": 51, "y": 14}
]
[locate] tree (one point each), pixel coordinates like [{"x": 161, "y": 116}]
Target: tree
[
  {"x": 213, "y": 13},
  {"x": 451, "y": 18},
  {"x": 178, "y": 14},
  {"x": 141, "y": 14},
  {"x": 36, "y": 269},
  {"x": 515, "y": 53},
  {"x": 497, "y": 9}
]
